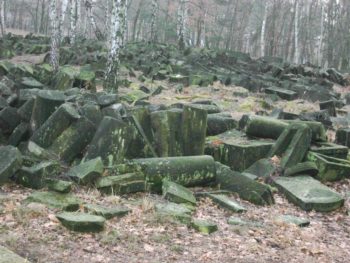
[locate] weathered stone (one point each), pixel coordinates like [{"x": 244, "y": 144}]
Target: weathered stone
[
  {"x": 87, "y": 172},
  {"x": 65, "y": 77},
  {"x": 25, "y": 111},
  {"x": 31, "y": 83},
  {"x": 331, "y": 149},
  {"x": 264, "y": 127},
  {"x": 10, "y": 162},
  {"x": 236, "y": 221},
  {"x": 309, "y": 194},
  {"x": 167, "y": 132},
  {"x": 46, "y": 102},
  {"x": 7, "y": 256},
  {"x": 73, "y": 140},
  {"x": 54, "y": 200},
  {"x": 204, "y": 226},
  {"x": 86, "y": 80},
  {"x": 121, "y": 184},
  {"x": 175, "y": 211},
  {"x": 9, "y": 120},
  {"x": 105, "y": 100},
  {"x": 81, "y": 222},
  {"x": 343, "y": 137},
  {"x": 330, "y": 168},
  {"x": 21, "y": 133},
  {"x": 317, "y": 128},
  {"x": 289, "y": 219},
  {"x": 329, "y": 106},
  {"x": 110, "y": 142},
  {"x": 262, "y": 168},
  {"x": 247, "y": 188},
  {"x": 235, "y": 150},
  {"x": 186, "y": 171},
  {"x": 292, "y": 145},
  {"x": 59, "y": 186},
  {"x": 227, "y": 203},
  {"x": 305, "y": 168},
  {"x": 177, "y": 193},
  {"x": 92, "y": 112},
  {"x": 282, "y": 93},
  {"x": 219, "y": 123},
  {"x": 194, "y": 127},
  {"x": 35, "y": 176},
  {"x": 53, "y": 127},
  {"x": 107, "y": 212}
]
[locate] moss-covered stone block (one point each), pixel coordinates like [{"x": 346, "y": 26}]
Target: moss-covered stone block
[
  {"x": 81, "y": 222},
  {"x": 177, "y": 193}
]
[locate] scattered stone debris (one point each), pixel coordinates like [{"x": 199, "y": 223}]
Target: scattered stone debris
[{"x": 204, "y": 226}]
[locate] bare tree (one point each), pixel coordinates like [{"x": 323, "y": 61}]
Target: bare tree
[
  {"x": 54, "y": 54},
  {"x": 182, "y": 24},
  {"x": 263, "y": 28},
  {"x": 296, "y": 32},
  {"x": 116, "y": 40},
  {"x": 2, "y": 18},
  {"x": 93, "y": 24},
  {"x": 155, "y": 8}
]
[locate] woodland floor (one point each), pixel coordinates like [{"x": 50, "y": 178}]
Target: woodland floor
[{"x": 33, "y": 231}]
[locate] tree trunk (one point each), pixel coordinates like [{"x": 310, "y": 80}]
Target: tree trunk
[
  {"x": 64, "y": 5},
  {"x": 97, "y": 31},
  {"x": 54, "y": 54},
  {"x": 153, "y": 20},
  {"x": 319, "y": 51},
  {"x": 136, "y": 19},
  {"x": 296, "y": 32},
  {"x": 116, "y": 40},
  {"x": 263, "y": 28},
  {"x": 2, "y": 18},
  {"x": 182, "y": 30}
]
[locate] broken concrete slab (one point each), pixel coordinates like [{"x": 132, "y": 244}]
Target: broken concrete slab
[
  {"x": 294, "y": 220},
  {"x": 227, "y": 203},
  {"x": 177, "y": 193},
  {"x": 246, "y": 188},
  {"x": 53, "y": 127},
  {"x": 204, "y": 226},
  {"x": 309, "y": 194},
  {"x": 46, "y": 102},
  {"x": 330, "y": 168},
  {"x": 59, "y": 186},
  {"x": 110, "y": 142},
  {"x": 87, "y": 172},
  {"x": 107, "y": 212},
  {"x": 7, "y": 256},
  {"x": 175, "y": 211},
  {"x": 10, "y": 162},
  {"x": 81, "y": 222},
  {"x": 232, "y": 148},
  {"x": 121, "y": 184},
  {"x": 55, "y": 200},
  {"x": 304, "y": 168},
  {"x": 292, "y": 145},
  {"x": 35, "y": 176}
]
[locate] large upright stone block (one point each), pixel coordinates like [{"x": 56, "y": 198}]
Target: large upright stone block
[{"x": 10, "y": 162}]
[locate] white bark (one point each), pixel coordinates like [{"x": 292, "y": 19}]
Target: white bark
[
  {"x": 296, "y": 32},
  {"x": 54, "y": 53},
  {"x": 155, "y": 8},
  {"x": 263, "y": 29},
  {"x": 2, "y": 18},
  {"x": 182, "y": 31},
  {"x": 89, "y": 8},
  {"x": 64, "y": 9},
  {"x": 319, "y": 51},
  {"x": 73, "y": 21},
  {"x": 116, "y": 41}
]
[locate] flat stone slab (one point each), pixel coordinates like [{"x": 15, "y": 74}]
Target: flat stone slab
[
  {"x": 177, "y": 193},
  {"x": 59, "y": 186},
  {"x": 236, "y": 221},
  {"x": 107, "y": 212},
  {"x": 55, "y": 200},
  {"x": 204, "y": 226},
  {"x": 176, "y": 211},
  {"x": 87, "y": 172},
  {"x": 309, "y": 194},
  {"x": 81, "y": 222},
  {"x": 10, "y": 162},
  {"x": 289, "y": 219},
  {"x": 227, "y": 203},
  {"x": 7, "y": 256},
  {"x": 121, "y": 184}
]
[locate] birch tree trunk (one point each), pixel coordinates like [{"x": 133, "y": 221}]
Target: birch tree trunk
[
  {"x": 296, "y": 32},
  {"x": 116, "y": 40},
  {"x": 319, "y": 51},
  {"x": 73, "y": 21},
  {"x": 97, "y": 31},
  {"x": 54, "y": 53},
  {"x": 64, "y": 8},
  {"x": 136, "y": 19},
  {"x": 263, "y": 29},
  {"x": 153, "y": 20},
  {"x": 182, "y": 24},
  {"x": 2, "y": 18}
]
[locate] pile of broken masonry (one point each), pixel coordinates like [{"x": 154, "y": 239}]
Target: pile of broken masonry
[{"x": 54, "y": 138}]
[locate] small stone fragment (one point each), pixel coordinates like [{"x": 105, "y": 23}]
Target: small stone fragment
[
  {"x": 204, "y": 226},
  {"x": 107, "y": 212},
  {"x": 289, "y": 219},
  {"x": 87, "y": 172},
  {"x": 59, "y": 186},
  {"x": 81, "y": 222},
  {"x": 227, "y": 203},
  {"x": 54, "y": 200},
  {"x": 177, "y": 193}
]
